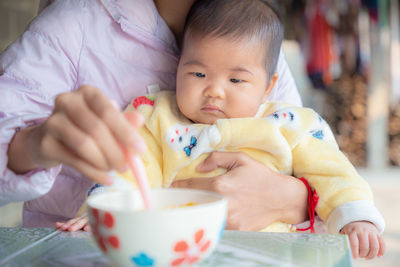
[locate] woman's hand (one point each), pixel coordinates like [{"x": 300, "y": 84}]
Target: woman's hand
[
  {"x": 257, "y": 196},
  {"x": 85, "y": 131}
]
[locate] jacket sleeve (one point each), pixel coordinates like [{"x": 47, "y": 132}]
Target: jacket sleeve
[
  {"x": 344, "y": 196},
  {"x": 33, "y": 70}
]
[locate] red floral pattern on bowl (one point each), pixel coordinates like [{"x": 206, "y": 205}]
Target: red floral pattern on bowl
[
  {"x": 191, "y": 254},
  {"x": 104, "y": 220}
]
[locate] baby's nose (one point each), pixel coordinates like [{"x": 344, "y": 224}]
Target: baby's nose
[{"x": 215, "y": 90}]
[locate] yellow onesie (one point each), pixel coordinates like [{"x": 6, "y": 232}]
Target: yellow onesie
[{"x": 291, "y": 140}]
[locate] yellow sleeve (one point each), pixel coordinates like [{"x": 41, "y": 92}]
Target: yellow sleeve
[{"x": 317, "y": 158}]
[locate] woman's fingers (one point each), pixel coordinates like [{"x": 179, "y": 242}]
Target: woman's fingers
[
  {"x": 87, "y": 132},
  {"x": 94, "y": 131},
  {"x": 123, "y": 129},
  {"x": 226, "y": 160},
  {"x": 134, "y": 118},
  {"x": 208, "y": 184},
  {"x": 80, "y": 113},
  {"x": 59, "y": 152},
  {"x": 76, "y": 141}
]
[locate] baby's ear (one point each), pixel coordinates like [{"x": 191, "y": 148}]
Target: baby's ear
[{"x": 270, "y": 86}]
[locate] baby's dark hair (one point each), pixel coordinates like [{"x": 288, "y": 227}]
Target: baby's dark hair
[{"x": 238, "y": 19}]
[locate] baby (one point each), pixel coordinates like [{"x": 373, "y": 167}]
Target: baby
[{"x": 226, "y": 71}]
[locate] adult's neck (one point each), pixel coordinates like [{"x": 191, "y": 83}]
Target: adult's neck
[{"x": 174, "y": 13}]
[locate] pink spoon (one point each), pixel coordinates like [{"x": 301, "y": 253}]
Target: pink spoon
[{"x": 136, "y": 165}]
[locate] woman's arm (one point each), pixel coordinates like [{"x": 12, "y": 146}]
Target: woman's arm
[
  {"x": 40, "y": 65},
  {"x": 174, "y": 14},
  {"x": 257, "y": 196}
]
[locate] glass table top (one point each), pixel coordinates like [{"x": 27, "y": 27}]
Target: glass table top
[{"x": 48, "y": 247}]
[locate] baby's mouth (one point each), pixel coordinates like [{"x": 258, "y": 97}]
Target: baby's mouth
[{"x": 211, "y": 109}]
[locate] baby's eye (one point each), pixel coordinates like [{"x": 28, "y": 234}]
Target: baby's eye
[
  {"x": 236, "y": 80},
  {"x": 199, "y": 74}
]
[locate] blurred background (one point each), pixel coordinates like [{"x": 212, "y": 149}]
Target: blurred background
[{"x": 345, "y": 58}]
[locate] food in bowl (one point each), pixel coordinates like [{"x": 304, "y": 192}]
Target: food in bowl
[{"x": 183, "y": 228}]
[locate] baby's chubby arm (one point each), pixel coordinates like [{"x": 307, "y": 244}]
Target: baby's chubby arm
[
  {"x": 344, "y": 196},
  {"x": 365, "y": 240}
]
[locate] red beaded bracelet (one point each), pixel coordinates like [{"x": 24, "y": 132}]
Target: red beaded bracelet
[{"x": 312, "y": 204}]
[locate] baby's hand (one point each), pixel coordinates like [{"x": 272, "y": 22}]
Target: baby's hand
[
  {"x": 365, "y": 240},
  {"x": 73, "y": 225}
]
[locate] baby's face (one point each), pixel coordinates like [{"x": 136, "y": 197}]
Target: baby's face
[{"x": 220, "y": 78}]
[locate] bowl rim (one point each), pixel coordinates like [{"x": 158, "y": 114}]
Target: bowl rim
[{"x": 91, "y": 201}]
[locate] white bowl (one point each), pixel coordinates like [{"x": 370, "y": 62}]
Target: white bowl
[{"x": 172, "y": 234}]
